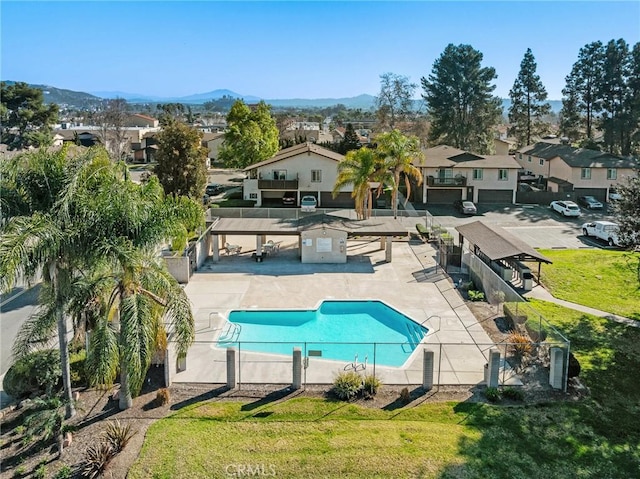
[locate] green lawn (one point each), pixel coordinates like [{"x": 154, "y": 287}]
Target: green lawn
[
  {"x": 304, "y": 437},
  {"x": 602, "y": 279}
]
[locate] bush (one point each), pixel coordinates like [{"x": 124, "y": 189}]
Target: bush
[
  {"x": 492, "y": 394},
  {"x": 118, "y": 435},
  {"x": 347, "y": 385},
  {"x": 63, "y": 473},
  {"x": 519, "y": 344},
  {"x": 163, "y": 396},
  {"x": 370, "y": 386},
  {"x": 475, "y": 295},
  {"x": 77, "y": 362},
  {"x": 405, "y": 395},
  {"x": 96, "y": 458},
  {"x": 36, "y": 373},
  {"x": 514, "y": 394},
  {"x": 574, "y": 367}
]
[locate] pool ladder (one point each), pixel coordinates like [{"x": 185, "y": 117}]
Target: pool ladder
[{"x": 231, "y": 333}]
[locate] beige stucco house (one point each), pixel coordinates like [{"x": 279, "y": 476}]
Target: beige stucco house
[
  {"x": 586, "y": 172},
  {"x": 452, "y": 174},
  {"x": 304, "y": 169},
  {"x": 212, "y": 142}
]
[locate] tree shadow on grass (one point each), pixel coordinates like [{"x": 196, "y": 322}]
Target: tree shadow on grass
[{"x": 597, "y": 435}]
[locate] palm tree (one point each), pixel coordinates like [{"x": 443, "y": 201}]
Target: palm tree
[
  {"x": 41, "y": 237},
  {"x": 399, "y": 151},
  {"x": 139, "y": 300},
  {"x": 360, "y": 168}
]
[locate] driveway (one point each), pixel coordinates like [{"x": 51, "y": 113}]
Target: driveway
[{"x": 538, "y": 226}]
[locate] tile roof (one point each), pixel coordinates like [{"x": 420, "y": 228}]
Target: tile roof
[
  {"x": 578, "y": 157},
  {"x": 296, "y": 150}
]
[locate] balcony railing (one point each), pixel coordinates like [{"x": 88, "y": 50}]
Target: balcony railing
[
  {"x": 278, "y": 184},
  {"x": 456, "y": 181}
]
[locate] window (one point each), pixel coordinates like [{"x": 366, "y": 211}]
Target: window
[
  {"x": 279, "y": 174},
  {"x": 253, "y": 196},
  {"x": 541, "y": 162},
  {"x": 612, "y": 174},
  {"x": 477, "y": 173},
  {"x": 529, "y": 158},
  {"x": 520, "y": 156},
  {"x": 585, "y": 174},
  {"x": 316, "y": 176},
  {"x": 503, "y": 174}
]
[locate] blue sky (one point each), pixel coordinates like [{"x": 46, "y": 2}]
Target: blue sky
[{"x": 292, "y": 49}]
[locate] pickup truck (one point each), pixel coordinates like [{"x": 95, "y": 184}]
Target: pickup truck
[{"x": 605, "y": 230}]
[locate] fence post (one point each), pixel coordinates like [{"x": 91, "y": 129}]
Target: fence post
[
  {"x": 232, "y": 383},
  {"x": 427, "y": 369},
  {"x": 493, "y": 368},
  {"x": 557, "y": 368},
  {"x": 297, "y": 368}
]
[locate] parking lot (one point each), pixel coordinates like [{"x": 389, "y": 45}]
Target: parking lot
[{"x": 538, "y": 226}]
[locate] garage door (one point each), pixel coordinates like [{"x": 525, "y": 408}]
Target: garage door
[
  {"x": 495, "y": 196},
  {"x": 343, "y": 200},
  {"x": 599, "y": 193},
  {"x": 443, "y": 195}
]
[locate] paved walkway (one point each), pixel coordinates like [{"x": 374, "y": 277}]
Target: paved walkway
[{"x": 539, "y": 292}]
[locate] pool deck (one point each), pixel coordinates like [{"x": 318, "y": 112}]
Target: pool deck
[{"x": 410, "y": 284}]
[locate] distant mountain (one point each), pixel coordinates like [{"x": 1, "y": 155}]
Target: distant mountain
[
  {"x": 130, "y": 97},
  {"x": 215, "y": 95},
  {"x": 61, "y": 96},
  {"x": 556, "y": 105},
  {"x": 361, "y": 101}
]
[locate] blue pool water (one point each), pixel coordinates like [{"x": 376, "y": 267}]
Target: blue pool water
[{"x": 337, "y": 330}]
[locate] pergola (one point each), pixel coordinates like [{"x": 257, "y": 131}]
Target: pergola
[
  {"x": 495, "y": 243},
  {"x": 383, "y": 227}
]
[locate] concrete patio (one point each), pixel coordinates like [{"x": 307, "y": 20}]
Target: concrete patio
[{"x": 410, "y": 283}]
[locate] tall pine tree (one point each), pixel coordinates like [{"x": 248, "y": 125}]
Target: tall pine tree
[
  {"x": 616, "y": 69},
  {"x": 528, "y": 103},
  {"x": 460, "y": 102}
]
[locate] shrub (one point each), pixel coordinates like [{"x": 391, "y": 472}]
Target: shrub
[
  {"x": 514, "y": 394},
  {"x": 36, "y": 373},
  {"x": 96, "y": 458},
  {"x": 118, "y": 435},
  {"x": 41, "y": 472},
  {"x": 574, "y": 367},
  {"x": 519, "y": 344},
  {"x": 163, "y": 396},
  {"x": 492, "y": 394},
  {"x": 475, "y": 295},
  {"x": 370, "y": 386},
  {"x": 77, "y": 361},
  {"x": 347, "y": 385},
  {"x": 63, "y": 473},
  {"x": 405, "y": 395}
]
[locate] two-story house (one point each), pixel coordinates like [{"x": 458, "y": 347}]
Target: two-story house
[
  {"x": 452, "y": 174},
  {"x": 304, "y": 169},
  {"x": 586, "y": 172}
]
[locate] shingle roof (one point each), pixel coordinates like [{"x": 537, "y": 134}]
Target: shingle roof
[
  {"x": 497, "y": 243},
  {"x": 578, "y": 157},
  {"x": 444, "y": 156},
  {"x": 298, "y": 150}
]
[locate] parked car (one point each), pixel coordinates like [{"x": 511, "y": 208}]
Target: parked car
[
  {"x": 614, "y": 195},
  {"x": 565, "y": 208},
  {"x": 308, "y": 203},
  {"x": 590, "y": 202},
  {"x": 289, "y": 198},
  {"x": 465, "y": 207},
  {"x": 605, "y": 230},
  {"x": 213, "y": 189}
]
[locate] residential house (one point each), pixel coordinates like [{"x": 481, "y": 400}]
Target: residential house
[
  {"x": 140, "y": 121},
  {"x": 212, "y": 142},
  {"x": 583, "y": 171},
  {"x": 306, "y": 169},
  {"x": 452, "y": 174},
  {"x": 145, "y": 150}
]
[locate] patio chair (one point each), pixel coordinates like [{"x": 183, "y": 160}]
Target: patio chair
[{"x": 232, "y": 249}]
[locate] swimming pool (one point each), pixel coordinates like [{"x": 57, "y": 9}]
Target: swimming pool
[{"x": 337, "y": 330}]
